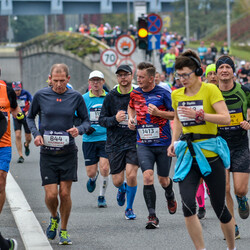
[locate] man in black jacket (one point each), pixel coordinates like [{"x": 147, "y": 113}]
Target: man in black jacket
[{"x": 121, "y": 141}]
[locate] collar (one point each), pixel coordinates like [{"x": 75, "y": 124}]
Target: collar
[
  {"x": 92, "y": 95},
  {"x": 119, "y": 91}
]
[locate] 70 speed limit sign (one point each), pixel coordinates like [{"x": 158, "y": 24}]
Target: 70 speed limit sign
[{"x": 109, "y": 57}]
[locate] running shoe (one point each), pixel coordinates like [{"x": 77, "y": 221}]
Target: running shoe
[
  {"x": 64, "y": 238},
  {"x": 153, "y": 222},
  {"x": 13, "y": 244},
  {"x": 121, "y": 196},
  {"x": 52, "y": 228},
  {"x": 20, "y": 159},
  {"x": 27, "y": 150},
  {"x": 92, "y": 184},
  {"x": 243, "y": 207},
  {"x": 102, "y": 201},
  {"x": 172, "y": 204},
  {"x": 129, "y": 214},
  {"x": 237, "y": 232},
  {"x": 201, "y": 213}
]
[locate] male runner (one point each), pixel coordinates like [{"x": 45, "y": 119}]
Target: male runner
[
  {"x": 211, "y": 74},
  {"x": 237, "y": 99},
  {"x": 121, "y": 141},
  {"x": 94, "y": 139},
  {"x": 24, "y": 99},
  {"x": 58, "y": 154},
  {"x": 152, "y": 106}
]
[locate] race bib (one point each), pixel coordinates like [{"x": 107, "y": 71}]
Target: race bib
[
  {"x": 94, "y": 115},
  {"x": 236, "y": 119},
  {"x": 21, "y": 103},
  {"x": 55, "y": 140},
  {"x": 149, "y": 132},
  {"x": 196, "y": 105}
]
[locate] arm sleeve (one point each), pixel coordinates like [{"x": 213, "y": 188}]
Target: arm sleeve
[
  {"x": 106, "y": 119},
  {"x": 82, "y": 112},
  {"x": 33, "y": 111},
  {"x": 12, "y": 97}
]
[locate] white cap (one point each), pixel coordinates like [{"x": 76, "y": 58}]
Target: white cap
[
  {"x": 96, "y": 73},
  {"x": 242, "y": 63}
]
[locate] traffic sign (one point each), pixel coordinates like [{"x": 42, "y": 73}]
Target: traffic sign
[
  {"x": 154, "y": 41},
  {"x": 125, "y": 45},
  {"x": 129, "y": 62},
  {"x": 154, "y": 23},
  {"x": 109, "y": 57}
]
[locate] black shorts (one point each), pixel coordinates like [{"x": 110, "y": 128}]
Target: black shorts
[
  {"x": 57, "y": 168},
  {"x": 240, "y": 158},
  {"x": 92, "y": 151},
  {"x": 19, "y": 123},
  {"x": 149, "y": 155},
  {"x": 118, "y": 160}
]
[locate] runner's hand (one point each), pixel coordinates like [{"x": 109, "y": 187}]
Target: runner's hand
[
  {"x": 245, "y": 125},
  {"x": 152, "y": 109},
  {"x": 73, "y": 131},
  {"x": 171, "y": 151},
  {"x": 90, "y": 131},
  {"x": 131, "y": 123},
  {"x": 38, "y": 141},
  {"x": 120, "y": 116}
]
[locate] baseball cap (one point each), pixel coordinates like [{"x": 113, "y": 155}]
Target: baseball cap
[
  {"x": 96, "y": 73},
  {"x": 17, "y": 85},
  {"x": 242, "y": 63},
  {"x": 210, "y": 67},
  {"x": 125, "y": 68}
]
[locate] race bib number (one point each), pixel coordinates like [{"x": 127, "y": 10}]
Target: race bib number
[
  {"x": 149, "y": 133},
  {"x": 94, "y": 115},
  {"x": 236, "y": 118},
  {"x": 196, "y": 105},
  {"x": 124, "y": 124},
  {"x": 21, "y": 103},
  {"x": 55, "y": 140}
]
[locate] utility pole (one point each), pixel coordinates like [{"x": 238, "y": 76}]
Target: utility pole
[
  {"x": 228, "y": 24},
  {"x": 128, "y": 12},
  {"x": 187, "y": 21}
]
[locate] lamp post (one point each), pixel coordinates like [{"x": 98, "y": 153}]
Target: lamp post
[
  {"x": 228, "y": 25},
  {"x": 187, "y": 21}
]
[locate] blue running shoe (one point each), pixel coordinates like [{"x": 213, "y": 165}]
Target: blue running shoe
[
  {"x": 64, "y": 238},
  {"x": 129, "y": 214},
  {"x": 52, "y": 228},
  {"x": 92, "y": 184},
  {"x": 243, "y": 207},
  {"x": 102, "y": 201},
  {"x": 121, "y": 196}
]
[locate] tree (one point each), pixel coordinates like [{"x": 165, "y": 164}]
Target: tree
[{"x": 27, "y": 27}]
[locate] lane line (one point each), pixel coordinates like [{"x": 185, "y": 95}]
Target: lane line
[{"x": 30, "y": 229}]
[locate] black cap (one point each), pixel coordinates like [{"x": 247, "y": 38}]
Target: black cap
[{"x": 125, "y": 68}]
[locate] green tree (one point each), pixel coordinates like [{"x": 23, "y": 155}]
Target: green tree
[{"x": 27, "y": 27}]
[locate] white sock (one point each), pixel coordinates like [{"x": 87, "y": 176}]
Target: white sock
[
  {"x": 94, "y": 178},
  {"x": 233, "y": 249},
  {"x": 103, "y": 184}
]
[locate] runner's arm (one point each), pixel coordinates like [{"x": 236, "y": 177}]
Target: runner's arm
[{"x": 153, "y": 110}]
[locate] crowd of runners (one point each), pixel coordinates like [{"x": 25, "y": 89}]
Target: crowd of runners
[{"x": 201, "y": 119}]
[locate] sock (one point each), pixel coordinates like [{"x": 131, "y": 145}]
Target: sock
[
  {"x": 200, "y": 196},
  {"x": 122, "y": 187},
  {"x": 150, "y": 198},
  {"x": 131, "y": 191},
  {"x": 94, "y": 178},
  {"x": 4, "y": 244},
  {"x": 169, "y": 190},
  {"x": 103, "y": 184}
]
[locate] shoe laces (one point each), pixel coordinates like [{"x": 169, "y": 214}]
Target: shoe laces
[
  {"x": 65, "y": 235},
  {"x": 53, "y": 224}
]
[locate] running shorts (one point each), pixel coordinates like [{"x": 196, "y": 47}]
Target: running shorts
[
  {"x": 5, "y": 158},
  {"x": 19, "y": 123}
]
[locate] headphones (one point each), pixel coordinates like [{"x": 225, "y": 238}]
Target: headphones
[{"x": 198, "y": 71}]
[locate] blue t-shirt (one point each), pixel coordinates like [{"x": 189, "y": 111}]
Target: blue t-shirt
[
  {"x": 24, "y": 100},
  {"x": 94, "y": 106}
]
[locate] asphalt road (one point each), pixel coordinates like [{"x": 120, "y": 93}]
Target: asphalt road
[{"x": 95, "y": 228}]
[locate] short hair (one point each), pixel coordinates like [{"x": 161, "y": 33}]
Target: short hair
[
  {"x": 59, "y": 68},
  {"x": 184, "y": 60},
  {"x": 149, "y": 67}
]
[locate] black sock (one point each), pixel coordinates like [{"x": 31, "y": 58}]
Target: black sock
[
  {"x": 169, "y": 193},
  {"x": 150, "y": 198},
  {"x": 4, "y": 244}
]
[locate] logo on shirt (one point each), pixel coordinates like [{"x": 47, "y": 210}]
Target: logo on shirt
[{"x": 58, "y": 99}]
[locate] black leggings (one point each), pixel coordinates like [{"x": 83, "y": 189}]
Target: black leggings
[{"x": 216, "y": 182}]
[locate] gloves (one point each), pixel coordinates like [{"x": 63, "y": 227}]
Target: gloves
[{"x": 90, "y": 131}]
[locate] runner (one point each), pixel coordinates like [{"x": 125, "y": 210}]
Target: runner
[
  {"x": 8, "y": 104},
  {"x": 198, "y": 108},
  {"x": 237, "y": 100},
  {"x": 58, "y": 152},
  {"x": 211, "y": 74},
  {"x": 24, "y": 99},
  {"x": 151, "y": 105},
  {"x": 94, "y": 139},
  {"x": 121, "y": 141}
]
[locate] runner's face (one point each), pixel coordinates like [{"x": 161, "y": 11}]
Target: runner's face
[
  {"x": 124, "y": 78},
  {"x": 18, "y": 92},
  {"x": 59, "y": 81},
  {"x": 212, "y": 77},
  {"x": 189, "y": 78},
  {"x": 225, "y": 72},
  {"x": 96, "y": 83},
  {"x": 157, "y": 78},
  {"x": 144, "y": 80}
]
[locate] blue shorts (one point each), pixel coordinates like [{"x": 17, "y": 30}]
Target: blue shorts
[
  {"x": 5, "y": 158},
  {"x": 92, "y": 151},
  {"x": 170, "y": 70}
]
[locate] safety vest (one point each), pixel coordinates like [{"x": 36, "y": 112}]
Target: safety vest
[{"x": 5, "y": 141}]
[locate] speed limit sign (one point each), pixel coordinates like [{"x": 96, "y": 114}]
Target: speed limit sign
[{"x": 109, "y": 57}]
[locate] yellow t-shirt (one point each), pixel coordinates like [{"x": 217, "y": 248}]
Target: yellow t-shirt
[{"x": 204, "y": 99}]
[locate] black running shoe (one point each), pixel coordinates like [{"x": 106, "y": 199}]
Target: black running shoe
[
  {"x": 153, "y": 222},
  {"x": 27, "y": 150},
  {"x": 20, "y": 159},
  {"x": 201, "y": 213}
]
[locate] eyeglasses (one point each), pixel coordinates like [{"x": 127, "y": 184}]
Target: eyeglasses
[
  {"x": 96, "y": 80},
  {"x": 184, "y": 76},
  {"x": 123, "y": 75}
]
